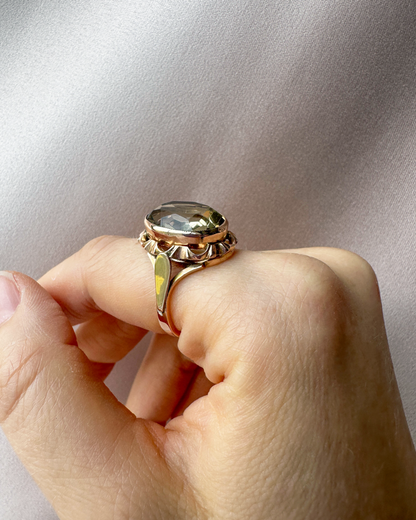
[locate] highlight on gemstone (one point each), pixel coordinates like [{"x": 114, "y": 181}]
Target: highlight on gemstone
[{"x": 186, "y": 217}]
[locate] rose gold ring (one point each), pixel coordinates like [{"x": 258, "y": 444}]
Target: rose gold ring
[{"x": 181, "y": 238}]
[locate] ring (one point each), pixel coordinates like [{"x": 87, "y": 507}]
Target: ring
[{"x": 181, "y": 238}]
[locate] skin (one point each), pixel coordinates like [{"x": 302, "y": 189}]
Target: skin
[{"x": 280, "y": 392}]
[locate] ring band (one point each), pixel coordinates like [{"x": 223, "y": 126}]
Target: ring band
[{"x": 181, "y": 238}]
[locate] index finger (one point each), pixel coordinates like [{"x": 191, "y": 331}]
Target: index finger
[{"x": 110, "y": 274}]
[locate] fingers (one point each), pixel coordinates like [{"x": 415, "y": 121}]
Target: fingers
[
  {"x": 71, "y": 433},
  {"x": 161, "y": 381},
  {"x": 199, "y": 386},
  {"x": 356, "y": 274},
  {"x": 107, "y": 287},
  {"x": 220, "y": 311},
  {"x": 110, "y": 274},
  {"x": 114, "y": 275},
  {"x": 106, "y": 339}
]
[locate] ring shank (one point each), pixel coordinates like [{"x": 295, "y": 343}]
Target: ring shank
[
  {"x": 176, "y": 273},
  {"x": 180, "y": 271},
  {"x": 167, "y": 324}
]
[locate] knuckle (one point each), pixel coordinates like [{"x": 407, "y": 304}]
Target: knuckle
[
  {"x": 363, "y": 272},
  {"x": 359, "y": 276},
  {"x": 296, "y": 301},
  {"x": 310, "y": 286},
  {"x": 290, "y": 291},
  {"x": 355, "y": 261},
  {"x": 97, "y": 248},
  {"x": 335, "y": 310},
  {"x": 315, "y": 311},
  {"x": 322, "y": 300}
]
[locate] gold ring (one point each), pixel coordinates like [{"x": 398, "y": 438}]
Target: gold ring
[{"x": 181, "y": 238}]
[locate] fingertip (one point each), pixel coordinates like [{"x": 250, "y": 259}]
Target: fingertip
[
  {"x": 9, "y": 296},
  {"x": 35, "y": 310}
]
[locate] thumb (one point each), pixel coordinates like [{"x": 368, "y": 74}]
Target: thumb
[{"x": 68, "y": 429}]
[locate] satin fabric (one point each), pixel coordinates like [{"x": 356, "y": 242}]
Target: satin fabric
[{"x": 297, "y": 119}]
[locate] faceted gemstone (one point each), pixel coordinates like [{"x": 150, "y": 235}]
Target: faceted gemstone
[{"x": 188, "y": 217}]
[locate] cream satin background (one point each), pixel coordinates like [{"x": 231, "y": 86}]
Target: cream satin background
[{"x": 297, "y": 119}]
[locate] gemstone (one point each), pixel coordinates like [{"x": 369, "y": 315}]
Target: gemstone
[{"x": 186, "y": 217}]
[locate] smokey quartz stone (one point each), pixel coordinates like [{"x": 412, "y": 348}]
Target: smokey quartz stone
[{"x": 186, "y": 217}]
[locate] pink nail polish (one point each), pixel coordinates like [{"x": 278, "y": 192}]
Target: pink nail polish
[{"x": 9, "y": 296}]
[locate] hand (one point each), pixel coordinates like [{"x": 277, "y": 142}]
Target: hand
[{"x": 280, "y": 392}]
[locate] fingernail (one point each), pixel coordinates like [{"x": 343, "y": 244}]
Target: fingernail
[{"x": 9, "y": 296}]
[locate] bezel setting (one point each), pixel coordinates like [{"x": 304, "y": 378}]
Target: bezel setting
[{"x": 196, "y": 246}]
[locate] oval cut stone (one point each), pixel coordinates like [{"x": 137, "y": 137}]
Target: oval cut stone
[{"x": 186, "y": 217}]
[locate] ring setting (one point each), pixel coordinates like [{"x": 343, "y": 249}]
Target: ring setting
[{"x": 180, "y": 238}]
